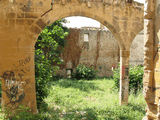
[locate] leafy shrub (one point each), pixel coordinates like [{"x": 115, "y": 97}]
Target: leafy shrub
[
  {"x": 48, "y": 48},
  {"x": 84, "y": 72},
  {"x": 135, "y": 78}
]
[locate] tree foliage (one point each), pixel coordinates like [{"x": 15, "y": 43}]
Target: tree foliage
[{"x": 48, "y": 48}]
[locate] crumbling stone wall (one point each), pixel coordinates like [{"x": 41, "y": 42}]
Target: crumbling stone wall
[
  {"x": 102, "y": 51},
  {"x": 151, "y": 60}
]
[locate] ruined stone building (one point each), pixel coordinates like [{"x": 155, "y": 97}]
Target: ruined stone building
[
  {"x": 97, "y": 47},
  {"x": 25, "y": 19}
]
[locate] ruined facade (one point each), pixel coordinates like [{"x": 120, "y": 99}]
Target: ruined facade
[
  {"x": 97, "y": 47},
  {"x": 22, "y": 21}
]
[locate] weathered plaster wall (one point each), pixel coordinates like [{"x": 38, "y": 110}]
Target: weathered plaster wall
[{"x": 102, "y": 50}]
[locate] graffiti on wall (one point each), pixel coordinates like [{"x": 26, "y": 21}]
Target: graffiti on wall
[
  {"x": 15, "y": 81},
  {"x": 14, "y": 90}
]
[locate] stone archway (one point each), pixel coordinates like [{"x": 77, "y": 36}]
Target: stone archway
[
  {"x": 24, "y": 20},
  {"x": 124, "y": 28}
]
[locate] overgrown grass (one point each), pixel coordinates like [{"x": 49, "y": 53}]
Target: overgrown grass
[{"x": 89, "y": 100}]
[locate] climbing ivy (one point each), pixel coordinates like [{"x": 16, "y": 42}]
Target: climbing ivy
[{"x": 48, "y": 48}]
